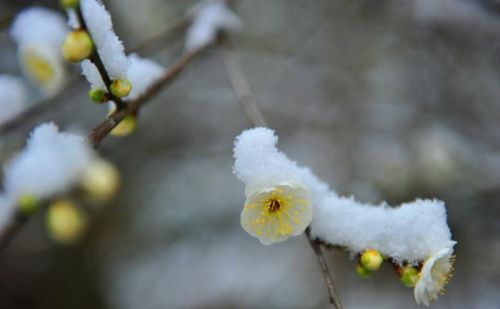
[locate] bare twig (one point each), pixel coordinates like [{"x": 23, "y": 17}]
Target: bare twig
[
  {"x": 247, "y": 100},
  {"x": 316, "y": 246}
]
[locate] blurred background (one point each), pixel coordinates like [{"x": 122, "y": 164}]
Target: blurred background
[{"x": 385, "y": 100}]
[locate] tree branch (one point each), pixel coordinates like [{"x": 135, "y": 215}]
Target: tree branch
[{"x": 247, "y": 100}]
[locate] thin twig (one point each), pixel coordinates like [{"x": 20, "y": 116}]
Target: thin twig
[
  {"x": 247, "y": 100},
  {"x": 316, "y": 246}
]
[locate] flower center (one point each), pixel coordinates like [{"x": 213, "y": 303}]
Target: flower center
[{"x": 273, "y": 205}]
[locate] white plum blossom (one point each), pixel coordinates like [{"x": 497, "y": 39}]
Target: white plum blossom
[
  {"x": 13, "y": 99},
  {"x": 278, "y": 199},
  {"x": 39, "y": 34},
  {"x": 434, "y": 275},
  {"x": 108, "y": 45},
  {"x": 209, "y": 17}
]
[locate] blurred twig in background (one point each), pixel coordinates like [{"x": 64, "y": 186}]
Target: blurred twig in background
[{"x": 249, "y": 104}]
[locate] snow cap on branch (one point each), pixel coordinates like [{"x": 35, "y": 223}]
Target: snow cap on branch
[
  {"x": 279, "y": 193},
  {"x": 13, "y": 99},
  {"x": 51, "y": 163},
  {"x": 89, "y": 70},
  {"x": 108, "y": 45},
  {"x": 209, "y": 17}
]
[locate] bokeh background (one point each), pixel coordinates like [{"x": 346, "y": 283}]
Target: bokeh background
[{"x": 386, "y": 100}]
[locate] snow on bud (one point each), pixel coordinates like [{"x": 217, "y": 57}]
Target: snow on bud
[
  {"x": 100, "y": 180},
  {"x": 371, "y": 260},
  {"x": 120, "y": 87},
  {"x": 77, "y": 46},
  {"x": 65, "y": 223},
  {"x": 108, "y": 45}
]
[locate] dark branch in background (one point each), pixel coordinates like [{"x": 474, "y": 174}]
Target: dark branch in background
[{"x": 247, "y": 100}]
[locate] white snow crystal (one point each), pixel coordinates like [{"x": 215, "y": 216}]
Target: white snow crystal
[
  {"x": 50, "y": 164},
  {"x": 411, "y": 232},
  {"x": 89, "y": 70},
  {"x": 108, "y": 45},
  {"x": 142, "y": 73},
  {"x": 38, "y": 24},
  {"x": 13, "y": 97},
  {"x": 73, "y": 21},
  {"x": 210, "y": 17}
]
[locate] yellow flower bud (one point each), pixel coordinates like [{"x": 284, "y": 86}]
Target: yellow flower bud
[
  {"x": 362, "y": 271},
  {"x": 121, "y": 87},
  {"x": 371, "y": 259},
  {"x": 69, "y": 4},
  {"x": 65, "y": 223},
  {"x": 77, "y": 46},
  {"x": 97, "y": 95},
  {"x": 125, "y": 127},
  {"x": 27, "y": 204},
  {"x": 100, "y": 180},
  {"x": 409, "y": 276}
]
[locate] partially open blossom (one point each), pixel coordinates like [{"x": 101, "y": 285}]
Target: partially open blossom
[
  {"x": 273, "y": 214},
  {"x": 39, "y": 33},
  {"x": 435, "y": 273}
]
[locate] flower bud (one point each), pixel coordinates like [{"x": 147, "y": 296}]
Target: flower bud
[
  {"x": 409, "y": 276},
  {"x": 362, "y": 271},
  {"x": 27, "y": 204},
  {"x": 100, "y": 180},
  {"x": 77, "y": 46},
  {"x": 371, "y": 260},
  {"x": 69, "y": 4},
  {"x": 97, "y": 95},
  {"x": 125, "y": 127},
  {"x": 121, "y": 87},
  {"x": 65, "y": 223}
]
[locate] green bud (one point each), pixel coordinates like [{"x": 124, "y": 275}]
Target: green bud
[
  {"x": 97, "y": 95},
  {"x": 69, "y": 4},
  {"x": 371, "y": 260},
  {"x": 409, "y": 276},
  {"x": 77, "y": 46},
  {"x": 121, "y": 87},
  {"x": 362, "y": 271},
  {"x": 27, "y": 204}
]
